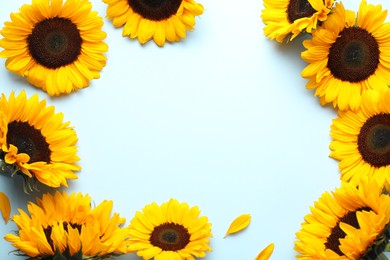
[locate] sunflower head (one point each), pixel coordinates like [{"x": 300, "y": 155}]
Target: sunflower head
[
  {"x": 349, "y": 223},
  {"x": 170, "y": 231},
  {"x": 348, "y": 55},
  {"x": 35, "y": 142},
  {"x": 288, "y": 18},
  {"x": 65, "y": 226},
  {"x": 58, "y": 46},
  {"x": 361, "y": 139},
  {"x": 162, "y": 20}
]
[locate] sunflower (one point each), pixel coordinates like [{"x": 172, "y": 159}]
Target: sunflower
[
  {"x": 350, "y": 223},
  {"x": 284, "y": 18},
  {"x": 163, "y": 20},
  {"x": 170, "y": 231},
  {"x": 57, "y": 46},
  {"x": 35, "y": 142},
  {"x": 349, "y": 55},
  {"x": 361, "y": 139},
  {"x": 63, "y": 224}
]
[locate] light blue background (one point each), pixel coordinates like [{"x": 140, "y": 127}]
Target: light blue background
[{"x": 221, "y": 120}]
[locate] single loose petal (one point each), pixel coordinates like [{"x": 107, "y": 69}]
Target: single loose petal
[
  {"x": 239, "y": 224},
  {"x": 5, "y": 206},
  {"x": 266, "y": 253}
]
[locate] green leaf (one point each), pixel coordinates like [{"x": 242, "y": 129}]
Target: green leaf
[{"x": 387, "y": 248}]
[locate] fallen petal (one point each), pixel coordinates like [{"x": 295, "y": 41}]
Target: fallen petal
[
  {"x": 239, "y": 224},
  {"x": 266, "y": 253},
  {"x": 5, "y": 206}
]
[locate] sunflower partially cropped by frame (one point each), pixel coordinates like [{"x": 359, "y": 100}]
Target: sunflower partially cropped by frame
[
  {"x": 165, "y": 20},
  {"x": 288, "y": 18},
  {"x": 58, "y": 46},
  {"x": 361, "y": 139},
  {"x": 349, "y": 223},
  {"x": 170, "y": 231},
  {"x": 349, "y": 55},
  {"x": 63, "y": 225},
  {"x": 35, "y": 142}
]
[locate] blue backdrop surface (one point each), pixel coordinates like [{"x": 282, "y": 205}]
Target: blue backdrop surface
[{"x": 221, "y": 120}]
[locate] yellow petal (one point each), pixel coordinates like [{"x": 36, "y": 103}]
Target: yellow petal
[
  {"x": 266, "y": 253},
  {"x": 239, "y": 224},
  {"x": 5, "y": 206}
]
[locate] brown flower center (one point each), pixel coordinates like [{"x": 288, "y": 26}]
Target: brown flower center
[
  {"x": 374, "y": 140},
  {"x": 354, "y": 56},
  {"x": 155, "y": 10},
  {"x": 170, "y": 237},
  {"x": 28, "y": 140},
  {"x": 298, "y": 9},
  {"x": 55, "y": 42},
  {"x": 333, "y": 241}
]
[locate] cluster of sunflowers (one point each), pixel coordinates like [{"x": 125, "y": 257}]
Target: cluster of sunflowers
[
  {"x": 62, "y": 226},
  {"x": 349, "y": 68},
  {"x": 58, "y": 47},
  {"x": 37, "y": 145}
]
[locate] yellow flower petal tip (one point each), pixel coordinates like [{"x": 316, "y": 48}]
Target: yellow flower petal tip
[
  {"x": 266, "y": 253},
  {"x": 239, "y": 224},
  {"x": 5, "y": 206}
]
